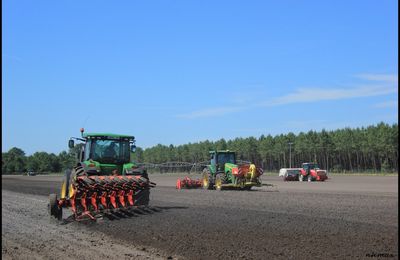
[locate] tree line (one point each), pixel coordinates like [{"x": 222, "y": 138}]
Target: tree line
[
  {"x": 373, "y": 148},
  {"x": 15, "y": 161}
]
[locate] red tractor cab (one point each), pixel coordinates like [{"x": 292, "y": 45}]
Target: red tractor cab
[{"x": 312, "y": 172}]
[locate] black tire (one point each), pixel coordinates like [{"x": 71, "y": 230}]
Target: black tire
[
  {"x": 207, "y": 180},
  {"x": 76, "y": 171},
  {"x": 223, "y": 177},
  {"x": 54, "y": 210},
  {"x": 142, "y": 198}
]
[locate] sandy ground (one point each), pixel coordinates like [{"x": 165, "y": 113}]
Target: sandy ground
[{"x": 344, "y": 217}]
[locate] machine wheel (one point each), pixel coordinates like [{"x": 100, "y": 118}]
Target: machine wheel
[
  {"x": 206, "y": 179},
  {"x": 142, "y": 198},
  {"x": 218, "y": 182},
  {"x": 309, "y": 178},
  {"x": 301, "y": 177},
  {"x": 54, "y": 210}
]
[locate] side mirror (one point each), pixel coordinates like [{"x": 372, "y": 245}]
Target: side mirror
[
  {"x": 133, "y": 148},
  {"x": 71, "y": 144}
]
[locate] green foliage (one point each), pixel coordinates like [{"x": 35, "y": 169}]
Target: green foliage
[
  {"x": 374, "y": 148},
  {"x": 370, "y": 149},
  {"x": 13, "y": 161}
]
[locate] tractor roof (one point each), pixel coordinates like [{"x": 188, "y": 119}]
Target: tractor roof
[
  {"x": 221, "y": 151},
  {"x": 105, "y": 135}
]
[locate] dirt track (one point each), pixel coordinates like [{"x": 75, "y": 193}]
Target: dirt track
[{"x": 344, "y": 217}]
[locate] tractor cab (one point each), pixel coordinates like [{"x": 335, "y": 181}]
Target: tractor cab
[
  {"x": 107, "y": 149},
  {"x": 105, "y": 153},
  {"x": 220, "y": 158},
  {"x": 309, "y": 166}
]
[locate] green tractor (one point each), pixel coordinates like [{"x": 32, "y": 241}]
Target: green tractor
[
  {"x": 103, "y": 179},
  {"x": 224, "y": 172}
]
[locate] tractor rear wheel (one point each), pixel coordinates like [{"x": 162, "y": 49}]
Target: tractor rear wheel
[{"x": 54, "y": 210}]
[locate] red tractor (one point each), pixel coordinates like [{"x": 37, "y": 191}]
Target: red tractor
[{"x": 312, "y": 172}]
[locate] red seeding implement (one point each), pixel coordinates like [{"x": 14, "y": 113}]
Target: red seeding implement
[
  {"x": 104, "y": 180},
  {"x": 187, "y": 183},
  {"x": 89, "y": 195}
]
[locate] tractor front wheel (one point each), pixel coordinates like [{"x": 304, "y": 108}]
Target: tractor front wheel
[
  {"x": 218, "y": 182},
  {"x": 54, "y": 209},
  {"x": 206, "y": 180}
]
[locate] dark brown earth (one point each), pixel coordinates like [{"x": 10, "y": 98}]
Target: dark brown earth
[{"x": 344, "y": 217}]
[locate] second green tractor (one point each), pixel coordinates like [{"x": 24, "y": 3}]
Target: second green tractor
[{"x": 224, "y": 172}]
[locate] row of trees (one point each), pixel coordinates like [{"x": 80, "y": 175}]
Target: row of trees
[
  {"x": 374, "y": 148},
  {"x": 15, "y": 161}
]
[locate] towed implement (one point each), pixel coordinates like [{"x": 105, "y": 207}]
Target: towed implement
[
  {"x": 104, "y": 179},
  {"x": 188, "y": 183},
  {"x": 224, "y": 172}
]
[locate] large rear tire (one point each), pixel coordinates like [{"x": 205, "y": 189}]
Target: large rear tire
[{"x": 54, "y": 210}]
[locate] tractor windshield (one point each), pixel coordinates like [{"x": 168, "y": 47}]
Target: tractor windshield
[
  {"x": 226, "y": 158},
  {"x": 108, "y": 151},
  {"x": 310, "y": 166}
]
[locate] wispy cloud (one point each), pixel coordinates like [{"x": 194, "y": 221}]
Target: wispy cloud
[
  {"x": 384, "y": 84},
  {"x": 376, "y": 85},
  {"x": 307, "y": 95},
  {"x": 210, "y": 112},
  {"x": 391, "y": 78},
  {"x": 387, "y": 104}
]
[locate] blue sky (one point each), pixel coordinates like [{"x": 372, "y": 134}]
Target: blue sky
[{"x": 174, "y": 72}]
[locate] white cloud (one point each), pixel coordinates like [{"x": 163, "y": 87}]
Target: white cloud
[
  {"x": 390, "y": 78},
  {"x": 387, "y": 104},
  {"x": 307, "y": 95},
  {"x": 210, "y": 112},
  {"x": 384, "y": 84}
]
